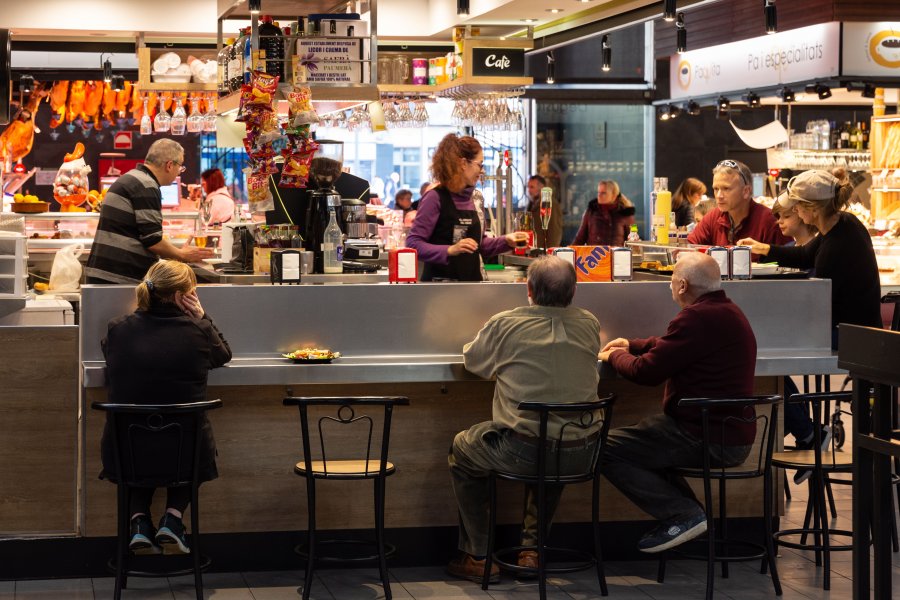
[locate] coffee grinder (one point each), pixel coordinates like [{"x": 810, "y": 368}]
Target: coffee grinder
[{"x": 326, "y": 167}]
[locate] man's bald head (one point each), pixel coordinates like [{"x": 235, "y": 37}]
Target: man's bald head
[{"x": 700, "y": 271}]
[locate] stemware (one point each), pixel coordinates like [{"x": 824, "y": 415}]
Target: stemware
[
  {"x": 162, "y": 121},
  {"x": 195, "y": 119},
  {"x": 178, "y": 121},
  {"x": 209, "y": 119},
  {"x": 146, "y": 121}
]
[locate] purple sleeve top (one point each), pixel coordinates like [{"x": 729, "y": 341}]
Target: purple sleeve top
[{"x": 426, "y": 219}]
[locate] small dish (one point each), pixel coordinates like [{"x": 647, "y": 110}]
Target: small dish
[{"x": 311, "y": 361}]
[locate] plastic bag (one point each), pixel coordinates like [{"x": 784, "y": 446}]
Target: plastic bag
[{"x": 65, "y": 275}]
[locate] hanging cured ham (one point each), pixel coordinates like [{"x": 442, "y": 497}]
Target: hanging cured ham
[{"x": 18, "y": 137}]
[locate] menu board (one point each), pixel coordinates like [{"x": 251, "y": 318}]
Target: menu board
[{"x": 332, "y": 60}]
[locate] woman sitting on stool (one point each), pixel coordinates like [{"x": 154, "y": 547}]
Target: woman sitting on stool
[{"x": 161, "y": 354}]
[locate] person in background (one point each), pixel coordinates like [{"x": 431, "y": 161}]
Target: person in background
[
  {"x": 162, "y": 353},
  {"x": 403, "y": 200},
  {"x": 447, "y": 231},
  {"x": 129, "y": 238},
  {"x": 685, "y": 198},
  {"x": 391, "y": 185},
  {"x": 708, "y": 351},
  {"x": 736, "y": 214},
  {"x": 513, "y": 346},
  {"x": 220, "y": 202},
  {"x": 422, "y": 189},
  {"x": 842, "y": 252},
  {"x": 555, "y": 227},
  {"x": 607, "y": 219}
]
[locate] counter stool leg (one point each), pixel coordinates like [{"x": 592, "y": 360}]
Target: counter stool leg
[
  {"x": 492, "y": 524},
  {"x": 379, "y": 535},
  {"x": 310, "y": 536},
  {"x": 661, "y": 568},
  {"x": 711, "y": 533},
  {"x": 821, "y": 509},
  {"x": 770, "y": 540},
  {"x": 122, "y": 531},
  {"x": 830, "y": 492},
  {"x": 542, "y": 536},
  {"x": 595, "y": 520},
  {"x": 723, "y": 526},
  {"x": 195, "y": 541},
  {"x": 787, "y": 487}
]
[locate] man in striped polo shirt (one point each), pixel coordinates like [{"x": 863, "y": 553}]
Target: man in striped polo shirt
[{"x": 129, "y": 238}]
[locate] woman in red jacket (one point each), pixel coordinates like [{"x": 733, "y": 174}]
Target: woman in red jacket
[{"x": 607, "y": 219}]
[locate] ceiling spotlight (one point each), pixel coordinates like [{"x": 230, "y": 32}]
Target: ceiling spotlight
[
  {"x": 664, "y": 114},
  {"x": 723, "y": 113},
  {"x": 255, "y": 6},
  {"x": 554, "y": 11},
  {"x": 606, "y": 53},
  {"x": 26, "y": 84},
  {"x": 551, "y": 68},
  {"x": 823, "y": 91},
  {"x": 752, "y": 99},
  {"x": 692, "y": 108},
  {"x": 107, "y": 71},
  {"x": 118, "y": 83},
  {"x": 771, "y": 17},
  {"x": 868, "y": 90},
  {"x": 787, "y": 95},
  {"x": 523, "y": 20},
  {"x": 723, "y": 103},
  {"x": 669, "y": 9},
  {"x": 680, "y": 35},
  {"x": 673, "y": 110}
]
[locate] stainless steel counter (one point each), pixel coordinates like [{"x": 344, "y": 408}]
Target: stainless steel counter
[
  {"x": 206, "y": 274},
  {"x": 415, "y": 333}
]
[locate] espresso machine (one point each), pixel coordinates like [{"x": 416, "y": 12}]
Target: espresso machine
[
  {"x": 362, "y": 242},
  {"x": 327, "y": 165}
]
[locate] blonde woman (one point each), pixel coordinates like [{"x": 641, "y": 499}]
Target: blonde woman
[
  {"x": 608, "y": 219},
  {"x": 161, "y": 353}
]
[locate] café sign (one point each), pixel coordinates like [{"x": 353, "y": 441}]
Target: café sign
[
  {"x": 791, "y": 56},
  {"x": 872, "y": 49},
  {"x": 498, "y": 62}
]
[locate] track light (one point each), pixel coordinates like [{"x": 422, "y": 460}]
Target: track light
[
  {"x": 868, "y": 90},
  {"x": 680, "y": 34},
  {"x": 26, "y": 84},
  {"x": 771, "y": 17},
  {"x": 692, "y": 108},
  {"x": 669, "y": 9},
  {"x": 606, "y": 53},
  {"x": 255, "y": 6},
  {"x": 551, "y": 68},
  {"x": 107, "y": 71},
  {"x": 669, "y": 112},
  {"x": 118, "y": 83},
  {"x": 752, "y": 99},
  {"x": 462, "y": 7},
  {"x": 787, "y": 95},
  {"x": 823, "y": 91},
  {"x": 723, "y": 113},
  {"x": 723, "y": 103}
]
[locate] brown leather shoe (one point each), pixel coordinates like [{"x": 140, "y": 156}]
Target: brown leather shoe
[
  {"x": 528, "y": 559},
  {"x": 467, "y": 567}
]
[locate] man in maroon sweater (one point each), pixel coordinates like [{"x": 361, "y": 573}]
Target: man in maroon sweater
[{"x": 708, "y": 351}]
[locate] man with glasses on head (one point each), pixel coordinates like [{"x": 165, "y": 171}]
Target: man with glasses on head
[
  {"x": 129, "y": 238},
  {"x": 736, "y": 215}
]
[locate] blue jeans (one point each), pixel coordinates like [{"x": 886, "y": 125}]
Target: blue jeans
[{"x": 797, "y": 421}]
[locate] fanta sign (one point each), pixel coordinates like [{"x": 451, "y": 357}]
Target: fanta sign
[
  {"x": 871, "y": 49},
  {"x": 593, "y": 263}
]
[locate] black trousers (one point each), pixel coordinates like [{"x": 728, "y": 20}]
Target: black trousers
[{"x": 176, "y": 497}]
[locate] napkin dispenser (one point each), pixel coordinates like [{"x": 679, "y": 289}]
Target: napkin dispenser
[
  {"x": 284, "y": 266},
  {"x": 403, "y": 265}
]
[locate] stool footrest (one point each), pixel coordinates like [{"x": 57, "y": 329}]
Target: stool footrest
[
  {"x": 816, "y": 547},
  {"x": 303, "y": 550},
  {"x": 758, "y": 549},
  {"x": 187, "y": 570},
  {"x": 581, "y": 560}
]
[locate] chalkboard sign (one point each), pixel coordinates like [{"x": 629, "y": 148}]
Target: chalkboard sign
[{"x": 498, "y": 62}]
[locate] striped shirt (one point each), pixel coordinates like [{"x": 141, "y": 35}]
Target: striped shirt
[{"x": 130, "y": 223}]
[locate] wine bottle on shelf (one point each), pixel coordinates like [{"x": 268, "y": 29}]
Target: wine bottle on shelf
[
  {"x": 863, "y": 141},
  {"x": 845, "y": 135},
  {"x": 854, "y": 137}
]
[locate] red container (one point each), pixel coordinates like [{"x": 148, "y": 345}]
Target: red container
[{"x": 403, "y": 265}]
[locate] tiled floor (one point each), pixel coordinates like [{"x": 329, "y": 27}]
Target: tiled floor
[{"x": 800, "y": 578}]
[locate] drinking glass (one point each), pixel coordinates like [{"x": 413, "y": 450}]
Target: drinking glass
[
  {"x": 162, "y": 122},
  {"x": 178, "y": 121},
  {"x": 146, "y": 121},
  {"x": 209, "y": 119},
  {"x": 195, "y": 119}
]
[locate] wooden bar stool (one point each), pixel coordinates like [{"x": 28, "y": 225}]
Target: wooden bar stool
[
  {"x": 342, "y": 413},
  {"x": 178, "y": 426},
  {"x": 582, "y": 415},
  {"x": 718, "y": 545}
]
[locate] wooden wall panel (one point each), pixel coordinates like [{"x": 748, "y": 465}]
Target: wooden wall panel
[
  {"x": 39, "y": 416},
  {"x": 258, "y": 442}
]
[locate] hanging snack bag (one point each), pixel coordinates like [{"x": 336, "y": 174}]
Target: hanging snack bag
[
  {"x": 297, "y": 158},
  {"x": 259, "y": 195}
]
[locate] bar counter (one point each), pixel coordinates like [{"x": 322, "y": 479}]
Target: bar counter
[{"x": 404, "y": 339}]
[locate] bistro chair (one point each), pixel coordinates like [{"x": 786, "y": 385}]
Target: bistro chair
[
  {"x": 720, "y": 548},
  {"x": 178, "y": 426},
  {"x": 581, "y": 415},
  {"x": 341, "y": 416},
  {"x": 823, "y": 464}
]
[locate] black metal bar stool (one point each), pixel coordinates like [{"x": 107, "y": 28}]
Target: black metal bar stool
[
  {"x": 718, "y": 545},
  {"x": 822, "y": 464},
  {"x": 342, "y": 413},
  {"x": 178, "y": 427},
  {"x": 584, "y": 415}
]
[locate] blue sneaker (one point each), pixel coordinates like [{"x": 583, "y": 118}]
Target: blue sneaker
[
  {"x": 142, "y": 536},
  {"x": 673, "y": 532},
  {"x": 171, "y": 537}
]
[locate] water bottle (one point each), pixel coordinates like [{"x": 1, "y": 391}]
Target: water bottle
[
  {"x": 332, "y": 246},
  {"x": 633, "y": 235}
]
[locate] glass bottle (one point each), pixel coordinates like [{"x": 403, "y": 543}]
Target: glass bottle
[
  {"x": 162, "y": 121},
  {"x": 146, "y": 121},
  {"x": 633, "y": 235},
  {"x": 845, "y": 135},
  {"x": 179, "y": 118},
  {"x": 332, "y": 246},
  {"x": 271, "y": 41},
  {"x": 863, "y": 136},
  {"x": 195, "y": 119},
  {"x": 854, "y": 137},
  {"x": 223, "y": 61}
]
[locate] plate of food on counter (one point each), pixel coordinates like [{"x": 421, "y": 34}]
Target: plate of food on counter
[{"x": 312, "y": 356}]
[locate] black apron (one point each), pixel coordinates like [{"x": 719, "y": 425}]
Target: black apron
[{"x": 453, "y": 225}]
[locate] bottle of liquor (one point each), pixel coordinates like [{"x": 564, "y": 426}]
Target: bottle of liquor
[
  {"x": 271, "y": 40},
  {"x": 222, "y": 60},
  {"x": 854, "y": 136},
  {"x": 834, "y": 135},
  {"x": 332, "y": 246},
  {"x": 236, "y": 64},
  {"x": 863, "y": 141},
  {"x": 845, "y": 135}
]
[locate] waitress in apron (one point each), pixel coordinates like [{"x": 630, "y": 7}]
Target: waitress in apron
[{"x": 447, "y": 232}]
